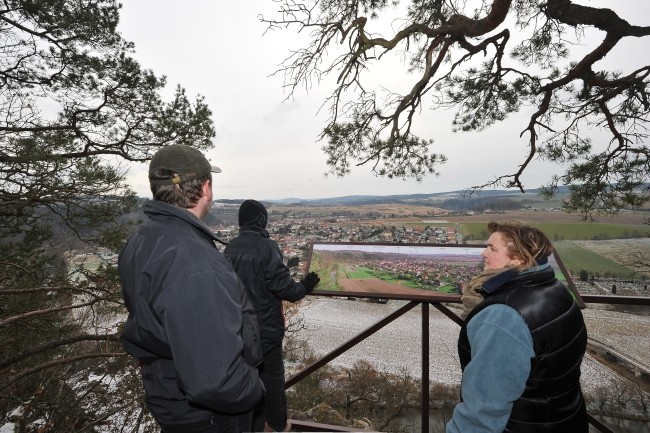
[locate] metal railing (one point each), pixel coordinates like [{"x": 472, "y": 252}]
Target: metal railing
[{"x": 437, "y": 301}]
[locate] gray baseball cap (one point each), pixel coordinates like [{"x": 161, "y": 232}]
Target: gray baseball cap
[{"x": 187, "y": 161}]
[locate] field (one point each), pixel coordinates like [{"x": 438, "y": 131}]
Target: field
[
  {"x": 577, "y": 258},
  {"x": 604, "y": 247},
  {"x": 570, "y": 231}
]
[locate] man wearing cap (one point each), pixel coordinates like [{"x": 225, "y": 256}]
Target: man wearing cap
[
  {"x": 259, "y": 263},
  {"x": 191, "y": 324}
]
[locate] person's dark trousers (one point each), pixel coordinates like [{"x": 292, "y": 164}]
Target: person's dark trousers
[
  {"x": 215, "y": 424},
  {"x": 274, "y": 407}
]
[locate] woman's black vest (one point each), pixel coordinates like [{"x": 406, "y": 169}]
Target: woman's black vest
[{"x": 552, "y": 400}]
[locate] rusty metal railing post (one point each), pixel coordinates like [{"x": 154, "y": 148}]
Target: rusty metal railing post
[{"x": 425, "y": 368}]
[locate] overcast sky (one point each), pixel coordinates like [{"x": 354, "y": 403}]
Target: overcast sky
[{"x": 267, "y": 147}]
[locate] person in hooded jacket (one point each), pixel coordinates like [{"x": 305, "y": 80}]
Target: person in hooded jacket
[
  {"x": 191, "y": 324},
  {"x": 522, "y": 342},
  {"x": 259, "y": 263}
]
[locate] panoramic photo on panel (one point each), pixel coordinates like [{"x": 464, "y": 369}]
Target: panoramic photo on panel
[{"x": 402, "y": 269}]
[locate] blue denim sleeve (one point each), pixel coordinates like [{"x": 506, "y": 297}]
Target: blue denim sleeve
[{"x": 502, "y": 348}]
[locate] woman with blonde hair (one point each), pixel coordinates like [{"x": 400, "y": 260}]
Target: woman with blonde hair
[{"x": 521, "y": 343}]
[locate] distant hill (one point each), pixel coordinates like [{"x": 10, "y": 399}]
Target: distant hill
[
  {"x": 433, "y": 199},
  {"x": 460, "y": 200}
]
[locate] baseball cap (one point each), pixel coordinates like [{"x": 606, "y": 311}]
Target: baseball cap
[{"x": 187, "y": 161}]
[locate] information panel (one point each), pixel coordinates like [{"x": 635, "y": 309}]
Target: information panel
[{"x": 402, "y": 269}]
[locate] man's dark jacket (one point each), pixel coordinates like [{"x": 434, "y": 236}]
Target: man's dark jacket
[
  {"x": 191, "y": 324},
  {"x": 259, "y": 264},
  {"x": 552, "y": 400}
]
